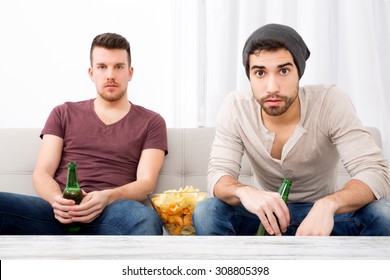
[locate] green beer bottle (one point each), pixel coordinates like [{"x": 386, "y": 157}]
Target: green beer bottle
[
  {"x": 73, "y": 191},
  {"x": 284, "y": 191}
]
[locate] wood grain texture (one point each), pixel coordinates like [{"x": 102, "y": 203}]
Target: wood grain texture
[{"x": 193, "y": 247}]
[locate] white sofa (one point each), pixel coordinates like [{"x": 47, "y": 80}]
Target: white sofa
[{"x": 186, "y": 163}]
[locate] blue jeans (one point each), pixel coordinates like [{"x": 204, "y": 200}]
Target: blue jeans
[
  {"x": 214, "y": 217},
  {"x": 23, "y": 214}
]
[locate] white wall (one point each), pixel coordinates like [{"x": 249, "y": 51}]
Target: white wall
[{"x": 44, "y": 54}]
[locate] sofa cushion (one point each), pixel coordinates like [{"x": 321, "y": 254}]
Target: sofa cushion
[{"x": 19, "y": 150}]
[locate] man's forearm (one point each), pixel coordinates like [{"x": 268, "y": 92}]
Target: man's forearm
[
  {"x": 226, "y": 189},
  {"x": 352, "y": 197},
  {"x": 136, "y": 190},
  {"x": 46, "y": 187}
]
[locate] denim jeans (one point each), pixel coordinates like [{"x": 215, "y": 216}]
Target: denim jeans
[
  {"x": 23, "y": 214},
  {"x": 214, "y": 217}
]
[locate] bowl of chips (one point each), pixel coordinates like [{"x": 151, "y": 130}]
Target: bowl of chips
[{"x": 176, "y": 207}]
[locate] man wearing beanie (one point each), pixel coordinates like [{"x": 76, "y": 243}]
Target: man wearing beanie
[{"x": 294, "y": 132}]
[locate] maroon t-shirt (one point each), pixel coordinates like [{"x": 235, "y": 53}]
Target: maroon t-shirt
[{"x": 107, "y": 156}]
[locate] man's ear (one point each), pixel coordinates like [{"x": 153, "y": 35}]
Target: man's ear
[
  {"x": 90, "y": 73},
  {"x": 131, "y": 72}
]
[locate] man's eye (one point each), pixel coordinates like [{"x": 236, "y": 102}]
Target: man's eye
[
  {"x": 284, "y": 71},
  {"x": 100, "y": 67},
  {"x": 259, "y": 73}
]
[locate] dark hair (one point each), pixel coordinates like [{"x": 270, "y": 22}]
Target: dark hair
[
  {"x": 111, "y": 41},
  {"x": 262, "y": 44}
]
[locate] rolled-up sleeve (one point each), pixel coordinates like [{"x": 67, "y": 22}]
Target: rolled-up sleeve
[
  {"x": 227, "y": 149},
  {"x": 361, "y": 156}
]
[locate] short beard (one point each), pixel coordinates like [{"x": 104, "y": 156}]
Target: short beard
[
  {"x": 277, "y": 110},
  {"x": 112, "y": 98}
]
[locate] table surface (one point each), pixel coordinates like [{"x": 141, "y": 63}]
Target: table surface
[{"x": 193, "y": 247}]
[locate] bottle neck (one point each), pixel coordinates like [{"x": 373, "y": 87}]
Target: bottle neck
[
  {"x": 72, "y": 180},
  {"x": 284, "y": 189}
]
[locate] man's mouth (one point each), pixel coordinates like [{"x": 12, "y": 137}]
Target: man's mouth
[{"x": 273, "y": 101}]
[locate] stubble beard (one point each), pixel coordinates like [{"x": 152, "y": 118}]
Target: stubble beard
[{"x": 112, "y": 97}]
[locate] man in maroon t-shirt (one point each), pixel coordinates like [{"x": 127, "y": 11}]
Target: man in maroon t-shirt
[{"x": 119, "y": 148}]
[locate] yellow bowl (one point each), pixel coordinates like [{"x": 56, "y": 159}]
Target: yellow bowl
[{"x": 176, "y": 209}]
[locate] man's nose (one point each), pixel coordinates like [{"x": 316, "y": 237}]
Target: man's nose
[
  {"x": 110, "y": 74},
  {"x": 272, "y": 85}
]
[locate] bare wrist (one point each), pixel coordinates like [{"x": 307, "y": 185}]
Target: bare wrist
[
  {"x": 328, "y": 202},
  {"x": 240, "y": 190}
]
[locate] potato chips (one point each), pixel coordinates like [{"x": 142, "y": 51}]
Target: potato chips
[{"x": 176, "y": 207}]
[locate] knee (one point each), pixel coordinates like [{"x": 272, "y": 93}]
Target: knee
[
  {"x": 150, "y": 222},
  {"x": 207, "y": 209},
  {"x": 139, "y": 219},
  {"x": 15, "y": 202},
  {"x": 381, "y": 209},
  {"x": 380, "y": 217},
  {"x": 208, "y": 215}
]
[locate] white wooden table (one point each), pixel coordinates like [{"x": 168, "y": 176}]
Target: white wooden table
[{"x": 193, "y": 247}]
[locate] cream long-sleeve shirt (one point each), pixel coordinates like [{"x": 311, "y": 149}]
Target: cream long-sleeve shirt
[{"x": 329, "y": 129}]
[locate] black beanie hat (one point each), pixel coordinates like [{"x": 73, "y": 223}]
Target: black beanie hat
[{"x": 293, "y": 41}]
